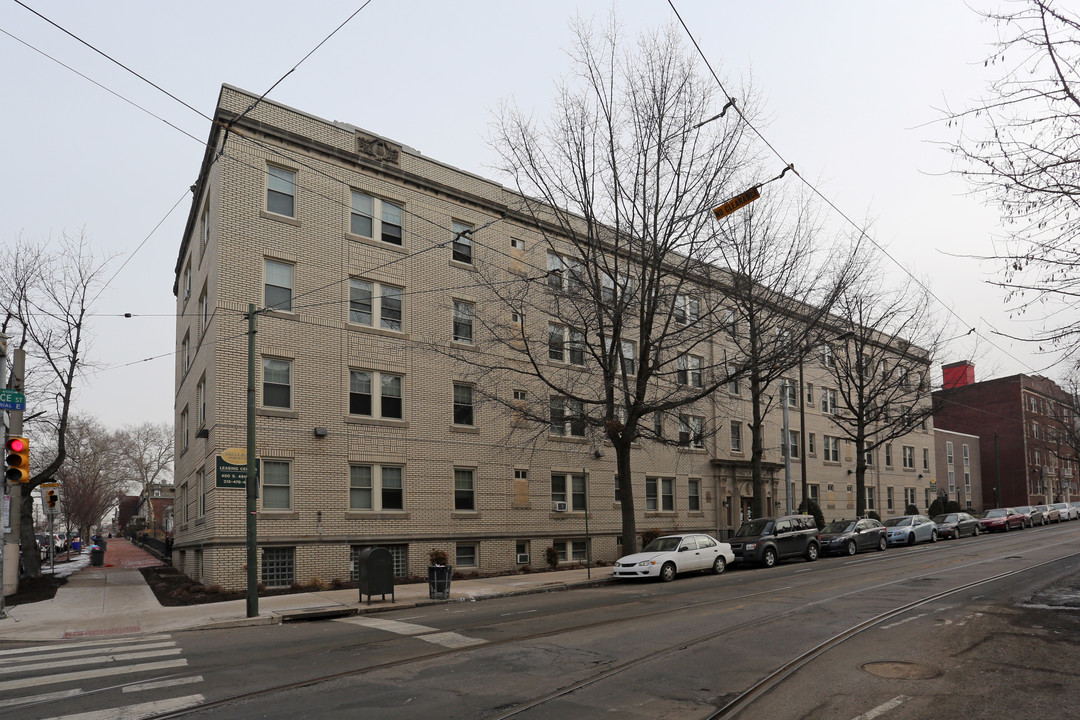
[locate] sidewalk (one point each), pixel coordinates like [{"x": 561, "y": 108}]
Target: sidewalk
[{"x": 115, "y": 600}]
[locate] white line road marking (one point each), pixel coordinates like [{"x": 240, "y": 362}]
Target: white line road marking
[
  {"x": 138, "y": 687},
  {"x": 89, "y": 661},
  {"x": 422, "y": 632},
  {"x": 522, "y": 612},
  {"x": 87, "y": 674},
  {"x": 883, "y": 708},
  {"x": 111, "y": 650},
  {"x": 46, "y": 697},
  {"x": 141, "y": 710},
  {"x": 916, "y": 617},
  {"x": 88, "y": 643}
]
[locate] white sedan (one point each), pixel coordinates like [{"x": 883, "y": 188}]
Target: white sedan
[{"x": 669, "y": 555}]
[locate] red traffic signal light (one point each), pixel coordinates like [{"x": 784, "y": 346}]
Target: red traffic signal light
[{"x": 17, "y": 460}]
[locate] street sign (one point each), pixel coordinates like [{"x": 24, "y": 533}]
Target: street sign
[
  {"x": 232, "y": 475},
  {"x": 740, "y": 200},
  {"x": 235, "y": 456},
  {"x": 12, "y": 400}
]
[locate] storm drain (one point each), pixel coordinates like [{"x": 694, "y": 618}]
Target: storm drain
[{"x": 901, "y": 670}]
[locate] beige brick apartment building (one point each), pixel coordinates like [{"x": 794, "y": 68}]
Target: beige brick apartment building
[{"x": 369, "y": 434}]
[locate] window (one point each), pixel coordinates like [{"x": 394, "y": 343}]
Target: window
[
  {"x": 465, "y": 555},
  {"x": 187, "y": 280},
  {"x": 205, "y": 226},
  {"x": 200, "y": 478},
  {"x": 791, "y": 446},
  {"x": 279, "y": 285},
  {"x": 731, "y": 323},
  {"x": 809, "y": 393},
  {"x": 888, "y": 455},
  {"x": 888, "y": 498},
  {"x": 811, "y": 444},
  {"x": 556, "y": 342},
  {"x": 463, "y": 404},
  {"x": 275, "y": 490},
  {"x": 689, "y": 370},
  {"x": 570, "y": 489},
  {"x": 376, "y": 487},
  {"x": 362, "y": 218},
  {"x": 184, "y": 430},
  {"x": 281, "y": 191},
  {"x": 629, "y": 363},
  {"x": 462, "y": 245},
  {"x": 563, "y": 274},
  {"x": 185, "y": 352},
  {"x": 368, "y": 300},
  {"x": 576, "y": 347},
  {"x": 909, "y": 457},
  {"x": 952, "y": 482},
  {"x": 828, "y": 401},
  {"x": 520, "y": 396},
  {"x": 949, "y": 452},
  {"x": 390, "y": 313},
  {"x": 204, "y": 312},
  {"x": 463, "y": 322},
  {"x": 277, "y": 383},
  {"x": 572, "y": 550},
  {"x": 869, "y": 457},
  {"x": 926, "y": 458},
  {"x": 733, "y": 383},
  {"x": 909, "y": 497},
  {"x": 693, "y": 494},
  {"x": 814, "y": 492},
  {"x": 658, "y": 424},
  {"x": 790, "y": 393},
  {"x": 927, "y": 496},
  {"x": 362, "y": 399},
  {"x": 831, "y": 448},
  {"x": 687, "y": 309},
  {"x": 200, "y": 398},
  {"x": 736, "y": 436},
  {"x": 278, "y": 566},
  {"x": 667, "y": 494},
  {"x": 651, "y": 500},
  {"x": 464, "y": 492},
  {"x": 517, "y": 243},
  {"x": 828, "y": 358},
  {"x": 869, "y": 497},
  {"x": 567, "y": 417},
  {"x": 691, "y": 431},
  {"x": 967, "y": 454}
]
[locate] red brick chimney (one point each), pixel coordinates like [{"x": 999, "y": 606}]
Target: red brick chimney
[{"x": 957, "y": 374}]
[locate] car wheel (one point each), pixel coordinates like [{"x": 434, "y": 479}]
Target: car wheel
[
  {"x": 1007, "y": 526},
  {"x": 975, "y": 531},
  {"x": 851, "y": 548},
  {"x": 719, "y": 565},
  {"x": 667, "y": 572},
  {"x": 933, "y": 536},
  {"x": 882, "y": 543},
  {"x": 769, "y": 558},
  {"x": 911, "y": 539},
  {"x": 812, "y": 552}
]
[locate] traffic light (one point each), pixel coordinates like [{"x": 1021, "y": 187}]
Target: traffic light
[
  {"x": 50, "y": 498},
  {"x": 17, "y": 460}
]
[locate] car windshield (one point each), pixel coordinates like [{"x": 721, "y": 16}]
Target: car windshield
[
  {"x": 898, "y": 522},
  {"x": 999, "y": 512},
  {"x": 663, "y": 544},
  {"x": 755, "y": 528},
  {"x": 841, "y": 526},
  {"x": 946, "y": 519}
]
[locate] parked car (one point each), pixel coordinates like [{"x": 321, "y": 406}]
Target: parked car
[
  {"x": 669, "y": 555},
  {"x": 1067, "y": 511},
  {"x": 1050, "y": 515},
  {"x": 1003, "y": 519},
  {"x": 1076, "y": 506},
  {"x": 911, "y": 529},
  {"x": 765, "y": 540},
  {"x": 957, "y": 525},
  {"x": 848, "y": 537},
  {"x": 1032, "y": 515}
]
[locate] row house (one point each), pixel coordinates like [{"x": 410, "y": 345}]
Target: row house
[{"x": 372, "y": 266}]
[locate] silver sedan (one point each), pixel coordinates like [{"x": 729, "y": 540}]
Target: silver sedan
[{"x": 911, "y": 529}]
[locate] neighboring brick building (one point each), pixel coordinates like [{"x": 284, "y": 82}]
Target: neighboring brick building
[
  {"x": 154, "y": 508},
  {"x": 960, "y": 468},
  {"x": 367, "y": 435},
  {"x": 1016, "y": 419},
  {"x": 126, "y": 509}
]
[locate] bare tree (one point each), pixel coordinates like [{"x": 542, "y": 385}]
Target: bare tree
[
  {"x": 614, "y": 312},
  {"x": 783, "y": 284},
  {"x": 1061, "y": 440},
  {"x": 148, "y": 450},
  {"x": 92, "y": 474},
  {"x": 45, "y": 300},
  {"x": 1018, "y": 148},
  {"x": 880, "y": 364}
]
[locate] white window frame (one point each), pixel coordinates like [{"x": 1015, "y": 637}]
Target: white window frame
[
  {"x": 909, "y": 456},
  {"x": 687, "y": 309},
  {"x": 465, "y": 485},
  {"x": 569, "y": 488},
  {"x": 828, "y": 401},
  {"x": 459, "y": 402},
  {"x": 380, "y": 300},
  {"x": 280, "y": 185},
  {"x": 692, "y": 431},
  {"x": 269, "y": 488},
  {"x": 285, "y": 305},
  {"x": 461, "y": 246},
  {"x": 379, "y": 383},
  {"x": 688, "y": 369},
  {"x": 830, "y": 447},
  {"x": 566, "y": 417},
  {"x": 380, "y": 480},
  {"x": 377, "y": 215},
  {"x": 736, "y": 436},
  {"x": 267, "y": 361},
  {"x": 463, "y": 330}
]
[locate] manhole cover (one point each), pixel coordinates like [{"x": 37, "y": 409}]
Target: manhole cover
[{"x": 901, "y": 670}]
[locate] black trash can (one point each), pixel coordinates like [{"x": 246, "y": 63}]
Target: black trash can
[
  {"x": 97, "y": 557},
  {"x": 438, "y": 580},
  {"x": 375, "y": 570}
]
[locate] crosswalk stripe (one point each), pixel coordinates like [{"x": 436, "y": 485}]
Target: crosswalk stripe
[
  {"x": 88, "y": 674},
  {"x": 87, "y": 643},
  {"x": 88, "y": 661},
  {"x": 140, "y": 710},
  {"x": 422, "y": 632},
  {"x": 138, "y": 687},
  {"x": 45, "y": 697},
  {"x": 110, "y": 650}
]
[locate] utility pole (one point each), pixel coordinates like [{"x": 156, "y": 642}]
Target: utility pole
[
  {"x": 785, "y": 394},
  {"x": 802, "y": 437},
  {"x": 252, "y": 554},
  {"x": 12, "y": 497}
]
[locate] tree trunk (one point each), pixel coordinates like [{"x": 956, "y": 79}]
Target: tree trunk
[
  {"x": 757, "y": 451},
  {"x": 626, "y": 495}
]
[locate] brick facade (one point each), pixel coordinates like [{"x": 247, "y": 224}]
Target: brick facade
[{"x": 232, "y": 239}]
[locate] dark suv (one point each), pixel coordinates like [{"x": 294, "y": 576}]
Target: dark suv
[{"x": 766, "y": 540}]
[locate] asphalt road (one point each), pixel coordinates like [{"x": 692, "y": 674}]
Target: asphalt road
[{"x": 932, "y": 631}]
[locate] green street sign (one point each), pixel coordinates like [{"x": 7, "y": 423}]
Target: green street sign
[
  {"x": 12, "y": 400},
  {"x": 234, "y": 476}
]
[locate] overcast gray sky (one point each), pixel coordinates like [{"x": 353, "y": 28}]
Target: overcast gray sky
[{"x": 849, "y": 88}]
